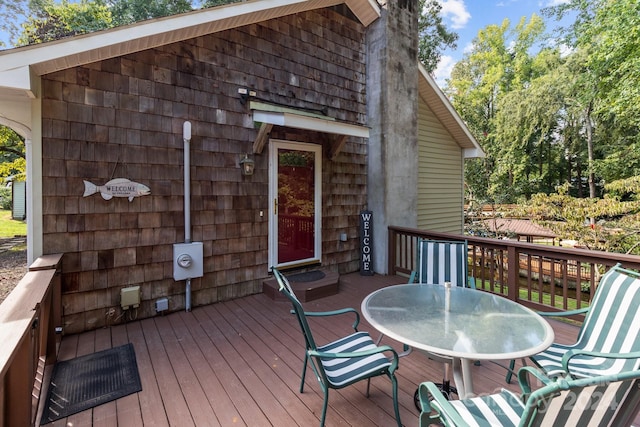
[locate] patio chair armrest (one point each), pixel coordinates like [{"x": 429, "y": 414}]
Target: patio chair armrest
[
  {"x": 364, "y": 353},
  {"x": 523, "y": 379},
  {"x": 334, "y": 313},
  {"x": 444, "y": 408},
  {"x": 567, "y": 313},
  {"x": 577, "y": 352}
]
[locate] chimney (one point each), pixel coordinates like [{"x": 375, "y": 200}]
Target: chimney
[{"x": 392, "y": 103}]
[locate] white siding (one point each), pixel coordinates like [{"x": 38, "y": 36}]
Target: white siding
[
  {"x": 440, "y": 176},
  {"x": 19, "y": 200}
]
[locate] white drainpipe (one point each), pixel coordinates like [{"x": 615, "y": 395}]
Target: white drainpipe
[
  {"x": 186, "y": 137},
  {"x": 187, "y": 256}
]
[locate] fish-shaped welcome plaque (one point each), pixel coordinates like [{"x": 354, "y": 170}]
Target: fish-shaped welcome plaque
[{"x": 118, "y": 187}]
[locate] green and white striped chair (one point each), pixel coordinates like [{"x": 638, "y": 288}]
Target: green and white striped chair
[
  {"x": 441, "y": 261},
  {"x": 611, "y": 325},
  {"x": 605, "y": 400},
  {"x": 344, "y": 361}
]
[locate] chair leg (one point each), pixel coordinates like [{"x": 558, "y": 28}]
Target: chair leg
[
  {"x": 368, "y": 386},
  {"x": 379, "y": 339},
  {"x": 396, "y": 409},
  {"x": 512, "y": 366},
  {"x": 304, "y": 373},
  {"x": 324, "y": 406},
  {"x": 511, "y": 369}
]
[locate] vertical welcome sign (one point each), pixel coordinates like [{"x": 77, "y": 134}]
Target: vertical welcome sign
[{"x": 366, "y": 243}]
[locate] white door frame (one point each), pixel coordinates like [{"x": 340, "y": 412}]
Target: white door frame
[{"x": 274, "y": 146}]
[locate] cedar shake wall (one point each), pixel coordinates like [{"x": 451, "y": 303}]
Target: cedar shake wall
[{"x": 123, "y": 117}]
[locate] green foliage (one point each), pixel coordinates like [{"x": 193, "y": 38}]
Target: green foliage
[
  {"x": 625, "y": 189},
  {"x": 5, "y": 197},
  {"x": 16, "y": 169},
  {"x": 544, "y": 118},
  {"x": 613, "y": 36},
  {"x": 52, "y": 21},
  {"x": 212, "y": 3},
  {"x": 12, "y": 12},
  {"x": 491, "y": 89},
  {"x": 129, "y": 11},
  {"x": 12, "y": 153},
  {"x": 433, "y": 36},
  {"x": 607, "y": 224}
]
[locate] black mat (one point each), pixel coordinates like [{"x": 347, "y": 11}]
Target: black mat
[
  {"x": 309, "y": 276},
  {"x": 88, "y": 381}
]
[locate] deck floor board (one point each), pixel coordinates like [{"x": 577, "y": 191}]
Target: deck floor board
[{"x": 238, "y": 363}]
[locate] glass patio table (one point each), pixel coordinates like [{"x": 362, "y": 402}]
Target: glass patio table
[{"x": 464, "y": 324}]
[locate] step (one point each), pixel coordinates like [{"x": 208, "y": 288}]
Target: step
[{"x": 305, "y": 289}]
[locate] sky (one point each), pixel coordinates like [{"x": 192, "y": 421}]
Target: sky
[{"x": 467, "y": 17}]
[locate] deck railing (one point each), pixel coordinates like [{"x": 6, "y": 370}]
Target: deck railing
[
  {"x": 28, "y": 340},
  {"x": 539, "y": 276}
]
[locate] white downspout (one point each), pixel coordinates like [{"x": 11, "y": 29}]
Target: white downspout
[{"x": 186, "y": 137}]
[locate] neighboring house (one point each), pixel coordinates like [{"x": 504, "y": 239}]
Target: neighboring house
[
  {"x": 519, "y": 228},
  {"x": 19, "y": 200},
  {"x": 18, "y": 196},
  {"x": 325, "y": 98}
]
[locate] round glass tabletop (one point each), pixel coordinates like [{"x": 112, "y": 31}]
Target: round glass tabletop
[{"x": 476, "y": 325}]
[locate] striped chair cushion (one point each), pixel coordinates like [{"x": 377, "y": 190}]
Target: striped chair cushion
[
  {"x": 501, "y": 409},
  {"x": 589, "y": 406},
  {"x": 593, "y": 405},
  {"x": 341, "y": 372},
  {"x": 441, "y": 262},
  {"x": 612, "y": 325}
]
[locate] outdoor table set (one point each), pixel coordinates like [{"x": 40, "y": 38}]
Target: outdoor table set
[{"x": 461, "y": 323}]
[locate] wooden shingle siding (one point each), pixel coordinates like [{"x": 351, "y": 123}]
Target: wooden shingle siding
[
  {"x": 440, "y": 186},
  {"x": 123, "y": 117}
]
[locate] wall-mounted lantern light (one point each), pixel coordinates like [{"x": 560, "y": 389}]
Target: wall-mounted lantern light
[{"x": 247, "y": 165}]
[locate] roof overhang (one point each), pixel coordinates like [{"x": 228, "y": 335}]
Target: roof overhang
[
  {"x": 269, "y": 116},
  {"x": 444, "y": 111},
  {"x": 310, "y": 123},
  {"x": 84, "y": 49}
]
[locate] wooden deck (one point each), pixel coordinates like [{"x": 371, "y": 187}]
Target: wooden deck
[{"x": 238, "y": 363}]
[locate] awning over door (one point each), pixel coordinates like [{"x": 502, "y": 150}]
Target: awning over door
[{"x": 268, "y": 116}]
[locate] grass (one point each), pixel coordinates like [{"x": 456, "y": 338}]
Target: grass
[
  {"x": 11, "y": 227},
  {"x": 546, "y": 298}
]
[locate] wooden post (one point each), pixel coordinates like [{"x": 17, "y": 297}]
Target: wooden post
[
  {"x": 513, "y": 272},
  {"x": 18, "y": 383}
]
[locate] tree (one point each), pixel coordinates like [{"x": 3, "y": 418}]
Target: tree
[
  {"x": 498, "y": 64},
  {"x": 608, "y": 33},
  {"x": 433, "y": 36},
  {"x": 213, "y": 3},
  {"x": 12, "y": 11},
  {"x": 616, "y": 226},
  {"x": 126, "y": 12},
  {"x": 51, "y": 21},
  {"x": 12, "y": 154},
  {"x": 526, "y": 129}
]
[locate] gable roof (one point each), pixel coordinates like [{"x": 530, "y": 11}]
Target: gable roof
[
  {"x": 15, "y": 64},
  {"x": 20, "y": 67},
  {"x": 520, "y": 227},
  {"x": 441, "y": 106}
]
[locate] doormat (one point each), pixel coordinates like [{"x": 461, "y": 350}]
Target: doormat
[
  {"x": 309, "y": 276},
  {"x": 88, "y": 381}
]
